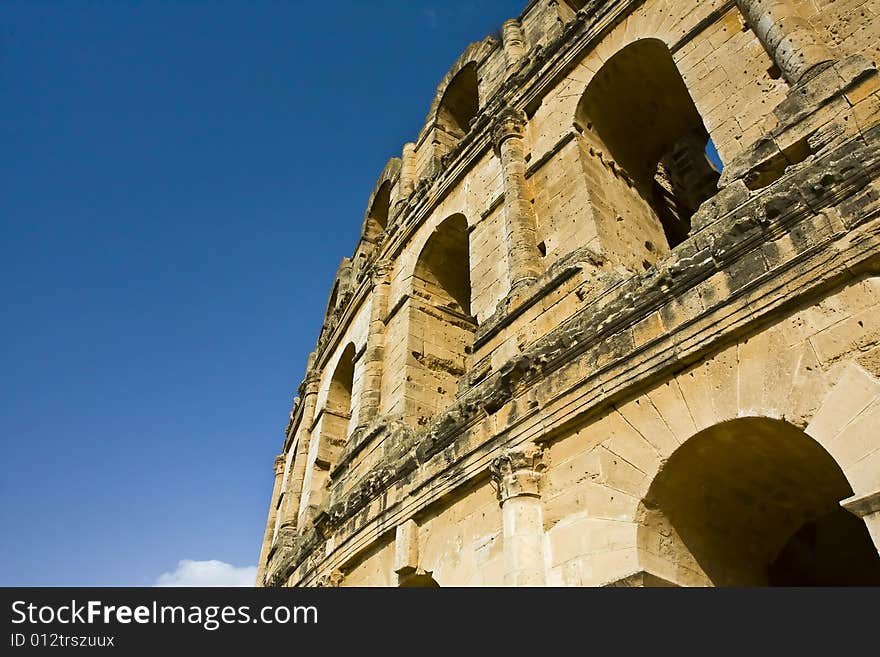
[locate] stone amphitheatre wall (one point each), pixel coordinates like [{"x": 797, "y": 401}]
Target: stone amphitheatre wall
[{"x": 561, "y": 315}]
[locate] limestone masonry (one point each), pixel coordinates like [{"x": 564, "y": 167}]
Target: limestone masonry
[{"x": 567, "y": 350}]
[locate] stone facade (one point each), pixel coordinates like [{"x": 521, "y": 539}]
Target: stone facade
[{"x": 569, "y": 351}]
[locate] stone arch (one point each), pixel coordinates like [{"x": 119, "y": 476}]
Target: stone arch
[
  {"x": 470, "y": 58},
  {"x": 441, "y": 328},
  {"x": 340, "y": 294},
  {"x": 460, "y": 103},
  {"x": 377, "y": 217},
  {"x": 442, "y": 272},
  {"x": 651, "y": 185},
  {"x": 334, "y": 297},
  {"x": 339, "y": 393},
  {"x": 456, "y": 104},
  {"x": 331, "y": 429},
  {"x": 341, "y": 287},
  {"x": 753, "y": 501},
  {"x": 335, "y": 416},
  {"x": 418, "y": 580},
  {"x": 380, "y": 202}
]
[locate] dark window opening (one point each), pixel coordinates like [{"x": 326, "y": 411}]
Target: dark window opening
[
  {"x": 460, "y": 103},
  {"x": 334, "y": 298},
  {"x": 641, "y": 119},
  {"x": 441, "y": 326},
  {"x": 377, "y": 219},
  {"x": 339, "y": 395}
]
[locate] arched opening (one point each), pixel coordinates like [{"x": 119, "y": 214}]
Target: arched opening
[
  {"x": 754, "y": 501},
  {"x": 377, "y": 218},
  {"x": 460, "y": 103},
  {"x": 331, "y": 430},
  {"x": 420, "y": 581},
  {"x": 442, "y": 274},
  {"x": 334, "y": 298},
  {"x": 643, "y": 138},
  {"x": 336, "y": 416},
  {"x": 341, "y": 384},
  {"x": 441, "y": 327}
]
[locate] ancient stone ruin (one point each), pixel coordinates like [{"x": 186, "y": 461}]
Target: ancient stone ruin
[{"x": 571, "y": 350}]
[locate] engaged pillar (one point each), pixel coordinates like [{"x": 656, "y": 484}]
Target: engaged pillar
[
  {"x": 794, "y": 45},
  {"x": 273, "y": 514},
  {"x": 374, "y": 354},
  {"x": 514, "y": 43},
  {"x": 297, "y": 470},
  {"x": 518, "y": 474},
  {"x": 408, "y": 171},
  {"x": 519, "y": 216}
]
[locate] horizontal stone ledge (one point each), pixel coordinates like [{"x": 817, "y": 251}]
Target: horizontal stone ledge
[
  {"x": 862, "y": 505},
  {"x": 501, "y": 320}
]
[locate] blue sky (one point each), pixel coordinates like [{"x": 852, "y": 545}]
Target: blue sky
[{"x": 178, "y": 182}]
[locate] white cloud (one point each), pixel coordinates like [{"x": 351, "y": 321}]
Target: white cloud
[{"x": 208, "y": 573}]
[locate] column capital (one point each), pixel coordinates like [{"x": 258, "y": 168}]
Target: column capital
[
  {"x": 280, "y": 462},
  {"x": 310, "y": 383},
  {"x": 380, "y": 271},
  {"x": 511, "y": 24},
  {"x": 509, "y": 123},
  {"x": 330, "y": 580},
  {"x": 518, "y": 472}
]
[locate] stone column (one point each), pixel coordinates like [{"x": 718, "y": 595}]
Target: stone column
[
  {"x": 519, "y": 215},
  {"x": 786, "y": 35},
  {"x": 273, "y": 514},
  {"x": 371, "y": 391},
  {"x": 408, "y": 171},
  {"x": 514, "y": 43},
  {"x": 518, "y": 474},
  {"x": 406, "y": 549},
  {"x": 866, "y": 507},
  {"x": 297, "y": 470},
  {"x": 406, "y": 184}
]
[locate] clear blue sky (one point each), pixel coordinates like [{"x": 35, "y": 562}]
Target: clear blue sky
[{"x": 178, "y": 182}]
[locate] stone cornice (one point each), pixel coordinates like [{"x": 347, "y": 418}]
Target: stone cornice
[{"x": 559, "y": 273}]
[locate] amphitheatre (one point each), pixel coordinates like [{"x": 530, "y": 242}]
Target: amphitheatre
[{"x": 571, "y": 350}]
